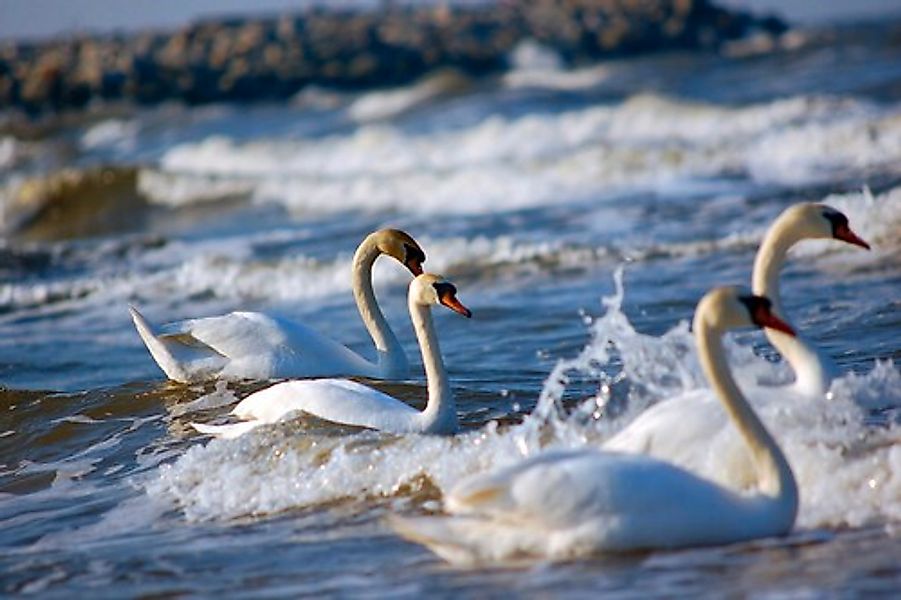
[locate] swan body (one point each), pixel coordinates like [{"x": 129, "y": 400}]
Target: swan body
[
  {"x": 685, "y": 430},
  {"x": 351, "y": 403},
  {"x": 250, "y": 345},
  {"x": 565, "y": 504}
]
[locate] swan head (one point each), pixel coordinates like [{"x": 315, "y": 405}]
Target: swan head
[
  {"x": 400, "y": 246},
  {"x": 727, "y": 308},
  {"x": 429, "y": 289},
  {"x": 819, "y": 221}
]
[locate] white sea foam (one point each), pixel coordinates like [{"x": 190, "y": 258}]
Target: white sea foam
[
  {"x": 227, "y": 268},
  {"x": 9, "y": 151},
  {"x": 536, "y": 66},
  {"x": 373, "y": 106},
  {"x": 848, "y": 471},
  {"x": 646, "y": 142},
  {"x": 116, "y": 134},
  {"x": 174, "y": 189}
]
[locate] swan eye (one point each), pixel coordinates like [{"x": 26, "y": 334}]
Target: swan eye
[
  {"x": 836, "y": 219},
  {"x": 445, "y": 289},
  {"x": 447, "y": 296},
  {"x": 756, "y": 305}
]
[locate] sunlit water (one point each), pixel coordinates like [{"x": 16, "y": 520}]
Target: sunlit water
[{"x": 529, "y": 192}]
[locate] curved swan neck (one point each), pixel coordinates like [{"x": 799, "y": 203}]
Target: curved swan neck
[
  {"x": 391, "y": 357},
  {"x": 769, "y": 260},
  {"x": 774, "y": 474},
  {"x": 441, "y": 410},
  {"x": 813, "y": 373}
]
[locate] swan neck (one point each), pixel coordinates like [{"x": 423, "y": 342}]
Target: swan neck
[
  {"x": 813, "y": 373},
  {"x": 440, "y": 411},
  {"x": 391, "y": 358},
  {"x": 774, "y": 475},
  {"x": 769, "y": 260}
]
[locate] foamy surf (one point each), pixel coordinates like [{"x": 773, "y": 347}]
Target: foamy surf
[
  {"x": 645, "y": 143},
  {"x": 229, "y": 269}
]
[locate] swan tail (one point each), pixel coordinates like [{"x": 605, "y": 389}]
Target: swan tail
[
  {"x": 227, "y": 432},
  {"x": 441, "y": 535},
  {"x": 166, "y": 350},
  {"x": 472, "y": 541}
]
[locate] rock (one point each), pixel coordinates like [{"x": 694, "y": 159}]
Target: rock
[{"x": 274, "y": 58}]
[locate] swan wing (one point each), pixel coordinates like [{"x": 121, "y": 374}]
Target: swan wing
[
  {"x": 248, "y": 345},
  {"x": 180, "y": 357},
  {"x": 673, "y": 430}
]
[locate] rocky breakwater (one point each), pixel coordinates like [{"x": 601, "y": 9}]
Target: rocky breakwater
[{"x": 272, "y": 58}]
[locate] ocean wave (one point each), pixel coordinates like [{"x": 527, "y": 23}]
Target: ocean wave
[
  {"x": 374, "y": 106},
  {"x": 111, "y": 134},
  {"x": 646, "y": 142},
  {"x": 229, "y": 268},
  {"x": 533, "y": 65}
]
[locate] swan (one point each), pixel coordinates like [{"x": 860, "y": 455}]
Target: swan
[
  {"x": 564, "y": 504},
  {"x": 252, "y": 345},
  {"x": 674, "y": 429},
  {"x": 350, "y": 403},
  {"x": 814, "y": 371}
]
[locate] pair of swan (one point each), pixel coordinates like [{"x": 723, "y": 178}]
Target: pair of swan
[
  {"x": 565, "y": 504},
  {"x": 350, "y": 403},
  {"x": 624, "y": 497},
  {"x": 688, "y": 430},
  {"x": 251, "y": 345}
]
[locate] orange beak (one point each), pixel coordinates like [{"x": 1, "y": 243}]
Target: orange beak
[
  {"x": 844, "y": 233},
  {"x": 450, "y": 301}
]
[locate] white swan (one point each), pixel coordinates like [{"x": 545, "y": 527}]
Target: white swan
[
  {"x": 814, "y": 370},
  {"x": 565, "y": 504},
  {"x": 350, "y": 403},
  {"x": 251, "y": 345},
  {"x": 685, "y": 430}
]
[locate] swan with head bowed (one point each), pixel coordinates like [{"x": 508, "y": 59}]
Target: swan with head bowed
[
  {"x": 252, "y": 345},
  {"x": 686, "y": 430},
  {"x": 564, "y": 504},
  {"x": 350, "y": 403}
]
